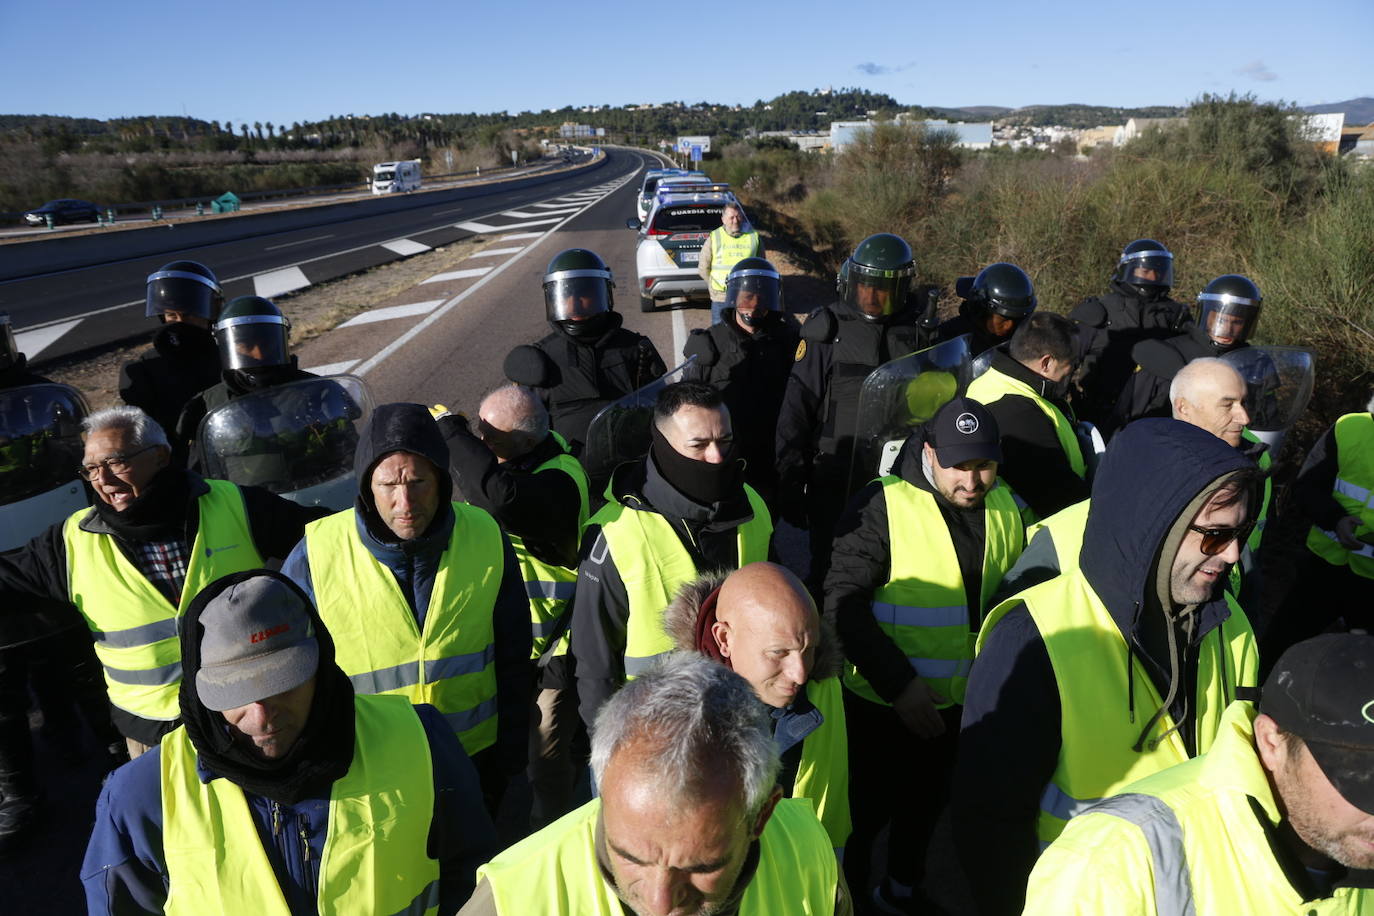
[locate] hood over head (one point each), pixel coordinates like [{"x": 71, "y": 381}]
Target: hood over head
[{"x": 399, "y": 427}]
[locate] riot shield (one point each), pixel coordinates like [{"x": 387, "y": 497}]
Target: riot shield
[
  {"x": 296, "y": 440},
  {"x": 901, "y": 395},
  {"x": 1278, "y": 386},
  {"x": 40, "y": 452},
  {"x": 620, "y": 431}
]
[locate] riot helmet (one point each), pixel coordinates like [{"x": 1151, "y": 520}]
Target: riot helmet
[
  {"x": 252, "y": 334},
  {"x": 9, "y": 350},
  {"x": 577, "y": 291},
  {"x": 876, "y": 279},
  {"x": 1147, "y": 267},
  {"x": 1228, "y": 310},
  {"x": 753, "y": 290},
  {"x": 184, "y": 287}
]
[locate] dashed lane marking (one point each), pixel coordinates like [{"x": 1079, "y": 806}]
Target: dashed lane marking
[
  {"x": 334, "y": 368},
  {"x": 406, "y": 247},
  {"x": 409, "y": 310},
  {"x": 480, "y": 228},
  {"x": 521, "y": 214},
  {"x": 458, "y": 274},
  {"x": 34, "y": 342},
  {"x": 280, "y": 282},
  {"x": 493, "y": 252},
  {"x": 512, "y": 236},
  {"x": 318, "y": 238}
]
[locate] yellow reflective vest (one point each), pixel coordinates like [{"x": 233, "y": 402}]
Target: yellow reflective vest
[
  {"x": 555, "y": 872},
  {"x": 922, "y": 607},
  {"x": 1103, "y": 710},
  {"x": 726, "y": 251},
  {"x": 1184, "y": 842},
  {"x": 451, "y": 663},
  {"x": 993, "y": 385},
  {"x": 134, "y": 625},
  {"x": 653, "y": 564},
  {"x": 549, "y": 587},
  {"x": 1252, "y": 543},
  {"x": 374, "y": 859},
  {"x": 1066, "y": 533},
  {"x": 823, "y": 773},
  {"x": 1354, "y": 490}
]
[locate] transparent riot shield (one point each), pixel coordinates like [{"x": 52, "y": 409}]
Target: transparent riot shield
[
  {"x": 1278, "y": 387},
  {"x": 901, "y": 395},
  {"x": 40, "y": 452},
  {"x": 296, "y": 439},
  {"x": 620, "y": 431}
]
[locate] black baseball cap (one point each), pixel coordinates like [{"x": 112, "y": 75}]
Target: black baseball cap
[
  {"x": 1322, "y": 690},
  {"x": 963, "y": 430}
]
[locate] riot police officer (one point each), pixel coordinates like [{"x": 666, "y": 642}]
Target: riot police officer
[
  {"x": 879, "y": 317},
  {"x": 186, "y": 298},
  {"x": 588, "y": 360},
  {"x": 1136, "y": 307},
  {"x": 995, "y": 301}
]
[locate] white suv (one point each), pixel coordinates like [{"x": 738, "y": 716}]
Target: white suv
[{"x": 670, "y": 240}]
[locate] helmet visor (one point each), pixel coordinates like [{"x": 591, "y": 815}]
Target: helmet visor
[
  {"x": 182, "y": 291},
  {"x": 1228, "y": 320},
  {"x": 252, "y": 341},
  {"x": 576, "y": 295},
  {"x": 876, "y": 293},
  {"x": 753, "y": 292},
  {"x": 1147, "y": 268}
]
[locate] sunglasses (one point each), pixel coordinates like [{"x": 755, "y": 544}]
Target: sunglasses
[{"x": 1215, "y": 540}]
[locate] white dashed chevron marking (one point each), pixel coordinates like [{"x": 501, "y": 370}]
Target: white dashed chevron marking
[
  {"x": 280, "y": 282},
  {"x": 408, "y": 310},
  {"x": 458, "y": 274},
  {"x": 31, "y": 343},
  {"x": 406, "y": 247}
]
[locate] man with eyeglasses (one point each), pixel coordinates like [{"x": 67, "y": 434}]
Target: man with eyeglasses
[
  {"x": 130, "y": 565},
  {"x": 1119, "y": 667}
]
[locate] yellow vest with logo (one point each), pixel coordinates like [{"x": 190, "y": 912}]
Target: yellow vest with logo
[
  {"x": 549, "y": 587},
  {"x": 726, "y": 251},
  {"x": 1099, "y": 723},
  {"x": 923, "y": 608},
  {"x": 451, "y": 663},
  {"x": 1354, "y": 490},
  {"x": 653, "y": 564},
  {"x": 374, "y": 858},
  {"x": 823, "y": 773},
  {"x": 993, "y": 385},
  {"x": 134, "y": 625},
  {"x": 555, "y": 872}
]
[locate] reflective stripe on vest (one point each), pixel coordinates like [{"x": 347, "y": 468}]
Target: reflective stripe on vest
[
  {"x": 1354, "y": 490},
  {"x": 377, "y": 641},
  {"x": 547, "y": 586},
  {"x": 132, "y": 622},
  {"x": 653, "y": 564},
  {"x": 726, "y": 251},
  {"x": 374, "y": 858},
  {"x": 1098, "y": 728},
  {"x": 1164, "y": 837},
  {"x": 994, "y": 385},
  {"x": 555, "y": 872},
  {"x": 923, "y": 607},
  {"x": 823, "y": 773}
]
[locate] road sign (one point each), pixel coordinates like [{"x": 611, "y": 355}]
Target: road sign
[
  {"x": 685, "y": 144},
  {"x": 696, "y": 153}
]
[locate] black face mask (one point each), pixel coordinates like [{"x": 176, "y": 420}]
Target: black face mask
[
  {"x": 587, "y": 327},
  {"x": 1149, "y": 293},
  {"x": 700, "y": 481},
  {"x": 177, "y": 339}
]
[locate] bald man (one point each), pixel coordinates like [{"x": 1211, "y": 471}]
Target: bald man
[
  {"x": 516, "y": 468},
  {"x": 761, "y": 622}
]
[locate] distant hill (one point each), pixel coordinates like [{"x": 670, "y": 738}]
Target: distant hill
[
  {"x": 971, "y": 113},
  {"x": 1357, "y": 111}
]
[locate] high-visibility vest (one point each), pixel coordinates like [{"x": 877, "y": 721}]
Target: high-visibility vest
[
  {"x": 994, "y": 385},
  {"x": 1098, "y": 727},
  {"x": 451, "y": 664},
  {"x": 1188, "y": 841},
  {"x": 823, "y": 773},
  {"x": 555, "y": 872},
  {"x": 726, "y": 251},
  {"x": 922, "y": 607},
  {"x": 1252, "y": 543},
  {"x": 1354, "y": 490},
  {"x": 134, "y": 625},
  {"x": 550, "y": 587},
  {"x": 1066, "y": 533},
  {"x": 653, "y": 564},
  {"x": 374, "y": 858}
]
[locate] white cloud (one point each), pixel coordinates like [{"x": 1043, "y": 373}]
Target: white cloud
[{"x": 1256, "y": 70}]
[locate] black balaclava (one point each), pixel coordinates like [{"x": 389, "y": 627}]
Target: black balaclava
[{"x": 700, "y": 481}]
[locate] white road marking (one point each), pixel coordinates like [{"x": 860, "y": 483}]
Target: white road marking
[
  {"x": 511, "y": 236},
  {"x": 333, "y": 368},
  {"x": 477, "y": 227},
  {"x": 32, "y": 343},
  {"x": 521, "y": 214},
  {"x": 394, "y": 311},
  {"x": 553, "y": 206},
  {"x": 406, "y": 247},
  {"x": 318, "y": 238},
  {"x": 458, "y": 274},
  {"x": 679, "y": 334},
  {"x": 493, "y": 252},
  {"x": 280, "y": 282}
]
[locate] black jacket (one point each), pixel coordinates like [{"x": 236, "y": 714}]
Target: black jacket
[
  {"x": 231, "y": 385},
  {"x": 19, "y": 374},
  {"x": 1146, "y": 480},
  {"x": 1316, "y": 481},
  {"x": 1146, "y": 393},
  {"x": 184, "y": 361},
  {"x": 966, "y": 323}
]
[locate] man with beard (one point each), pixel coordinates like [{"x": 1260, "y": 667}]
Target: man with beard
[
  {"x": 1278, "y": 817},
  {"x": 589, "y": 360},
  {"x": 285, "y": 792},
  {"x": 682, "y": 509}
]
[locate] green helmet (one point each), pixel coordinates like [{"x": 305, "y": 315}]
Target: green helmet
[
  {"x": 577, "y": 286},
  {"x": 877, "y": 278},
  {"x": 252, "y": 333},
  {"x": 1003, "y": 289}
]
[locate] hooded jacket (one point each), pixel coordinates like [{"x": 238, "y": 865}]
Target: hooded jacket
[
  {"x": 1149, "y": 478},
  {"x": 125, "y": 869}
]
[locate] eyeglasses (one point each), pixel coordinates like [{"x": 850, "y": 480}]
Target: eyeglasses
[
  {"x": 118, "y": 465},
  {"x": 1215, "y": 540}
]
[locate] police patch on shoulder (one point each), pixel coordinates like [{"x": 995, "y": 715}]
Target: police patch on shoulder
[{"x": 801, "y": 351}]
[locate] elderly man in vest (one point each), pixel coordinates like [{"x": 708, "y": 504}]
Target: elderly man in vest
[
  {"x": 284, "y": 792},
  {"x": 1120, "y": 667},
  {"x": 423, "y": 595},
  {"x": 1278, "y": 817},
  {"x": 514, "y": 467},
  {"x": 155, "y": 536},
  {"x": 732, "y": 241},
  {"x": 690, "y": 819},
  {"x": 919, "y": 555},
  {"x": 760, "y": 622},
  {"x": 1024, "y": 389},
  {"x": 682, "y": 509}
]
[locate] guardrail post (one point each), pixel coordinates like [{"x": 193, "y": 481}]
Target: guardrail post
[
  {"x": 48, "y": 218},
  {"x": 157, "y": 212},
  {"x": 109, "y": 216},
  {"x": 200, "y": 208}
]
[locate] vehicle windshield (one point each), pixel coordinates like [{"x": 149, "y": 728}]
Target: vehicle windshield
[
  {"x": 385, "y": 176},
  {"x": 687, "y": 219}
]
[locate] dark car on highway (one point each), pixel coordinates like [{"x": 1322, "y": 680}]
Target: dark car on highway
[{"x": 63, "y": 211}]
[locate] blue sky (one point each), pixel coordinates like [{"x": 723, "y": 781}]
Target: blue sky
[{"x": 285, "y": 61}]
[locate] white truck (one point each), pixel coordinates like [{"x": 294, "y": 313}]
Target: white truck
[{"x": 395, "y": 177}]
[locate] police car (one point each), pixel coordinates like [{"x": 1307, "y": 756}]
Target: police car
[
  {"x": 669, "y": 246},
  {"x": 649, "y": 188}
]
